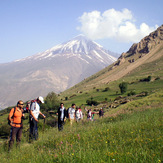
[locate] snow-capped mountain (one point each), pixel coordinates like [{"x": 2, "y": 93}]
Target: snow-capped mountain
[
  {"x": 80, "y": 47},
  {"x": 56, "y": 69}
]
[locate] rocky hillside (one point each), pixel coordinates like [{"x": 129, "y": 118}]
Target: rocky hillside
[
  {"x": 148, "y": 43},
  {"x": 148, "y": 50}
]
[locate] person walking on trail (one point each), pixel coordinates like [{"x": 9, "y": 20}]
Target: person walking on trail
[
  {"x": 89, "y": 114},
  {"x": 78, "y": 114},
  {"x": 61, "y": 116},
  {"x": 15, "y": 118},
  {"x": 101, "y": 113},
  {"x": 71, "y": 113},
  {"x": 34, "y": 114}
]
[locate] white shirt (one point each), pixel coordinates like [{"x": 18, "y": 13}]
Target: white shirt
[
  {"x": 71, "y": 111},
  {"x": 79, "y": 114},
  {"x": 35, "y": 108},
  {"x": 62, "y": 113}
]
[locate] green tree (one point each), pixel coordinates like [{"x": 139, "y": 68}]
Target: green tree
[
  {"x": 123, "y": 87},
  {"x": 51, "y": 102}
]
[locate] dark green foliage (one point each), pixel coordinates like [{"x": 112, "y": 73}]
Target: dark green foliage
[
  {"x": 52, "y": 122},
  {"x": 51, "y": 102},
  {"x": 158, "y": 78},
  {"x": 92, "y": 102},
  {"x": 131, "y": 93},
  {"x": 146, "y": 93},
  {"x": 148, "y": 79},
  {"x": 66, "y": 98},
  {"x": 123, "y": 87},
  {"x": 4, "y": 131},
  {"x": 106, "y": 89}
]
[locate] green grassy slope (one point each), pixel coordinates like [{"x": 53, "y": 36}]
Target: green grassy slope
[
  {"x": 129, "y": 137},
  {"x": 80, "y": 93}
]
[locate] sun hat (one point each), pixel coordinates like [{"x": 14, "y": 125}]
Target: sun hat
[{"x": 40, "y": 98}]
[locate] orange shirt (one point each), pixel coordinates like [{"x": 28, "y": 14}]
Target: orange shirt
[{"x": 16, "y": 117}]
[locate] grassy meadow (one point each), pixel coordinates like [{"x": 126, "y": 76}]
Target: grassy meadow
[
  {"x": 130, "y": 133},
  {"x": 133, "y": 137}
]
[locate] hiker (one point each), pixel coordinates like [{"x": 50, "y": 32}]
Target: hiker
[
  {"x": 71, "y": 113},
  {"x": 89, "y": 114},
  {"x": 93, "y": 114},
  {"x": 78, "y": 114},
  {"x": 34, "y": 114},
  {"x": 101, "y": 113},
  {"x": 26, "y": 109},
  {"x": 15, "y": 118},
  {"x": 61, "y": 116}
]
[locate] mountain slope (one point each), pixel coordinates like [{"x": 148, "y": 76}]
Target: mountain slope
[
  {"x": 56, "y": 69},
  {"x": 148, "y": 51}
]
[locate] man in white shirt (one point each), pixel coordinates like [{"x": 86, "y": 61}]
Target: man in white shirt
[
  {"x": 78, "y": 114},
  {"x": 71, "y": 113},
  {"x": 34, "y": 114}
]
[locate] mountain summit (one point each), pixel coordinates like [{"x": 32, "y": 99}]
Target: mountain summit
[
  {"x": 56, "y": 69},
  {"x": 81, "y": 47}
]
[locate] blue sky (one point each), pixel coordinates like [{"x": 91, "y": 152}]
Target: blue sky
[{"x": 28, "y": 27}]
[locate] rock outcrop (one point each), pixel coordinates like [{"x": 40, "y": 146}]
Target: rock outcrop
[{"x": 147, "y": 43}]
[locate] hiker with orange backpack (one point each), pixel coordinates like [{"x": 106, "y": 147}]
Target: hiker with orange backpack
[
  {"x": 15, "y": 121},
  {"x": 34, "y": 114}
]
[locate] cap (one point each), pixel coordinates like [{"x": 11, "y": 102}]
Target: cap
[{"x": 40, "y": 98}]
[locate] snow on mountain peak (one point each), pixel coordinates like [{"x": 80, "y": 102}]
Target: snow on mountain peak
[{"x": 79, "y": 45}]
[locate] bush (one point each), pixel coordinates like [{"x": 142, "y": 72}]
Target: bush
[
  {"x": 146, "y": 93},
  {"x": 92, "y": 102},
  {"x": 4, "y": 131},
  {"x": 148, "y": 79},
  {"x": 106, "y": 89},
  {"x": 123, "y": 87},
  {"x": 131, "y": 93},
  {"x": 52, "y": 122},
  {"x": 158, "y": 78},
  {"x": 51, "y": 102}
]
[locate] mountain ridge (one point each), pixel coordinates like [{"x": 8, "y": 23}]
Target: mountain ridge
[
  {"x": 49, "y": 71},
  {"x": 127, "y": 62}
]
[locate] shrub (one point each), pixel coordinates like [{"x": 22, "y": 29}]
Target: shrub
[
  {"x": 123, "y": 87},
  {"x": 51, "y": 102},
  {"x": 4, "y": 131},
  {"x": 106, "y": 89},
  {"x": 146, "y": 93},
  {"x": 158, "y": 78},
  {"x": 131, "y": 93},
  {"x": 92, "y": 102},
  {"x": 148, "y": 79},
  {"x": 52, "y": 122},
  {"x": 66, "y": 98}
]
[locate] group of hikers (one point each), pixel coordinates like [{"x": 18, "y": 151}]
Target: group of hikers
[{"x": 17, "y": 114}]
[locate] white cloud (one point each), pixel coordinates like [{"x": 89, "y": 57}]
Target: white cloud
[{"x": 119, "y": 25}]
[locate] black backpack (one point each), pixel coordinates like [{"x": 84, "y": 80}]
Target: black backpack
[{"x": 11, "y": 117}]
